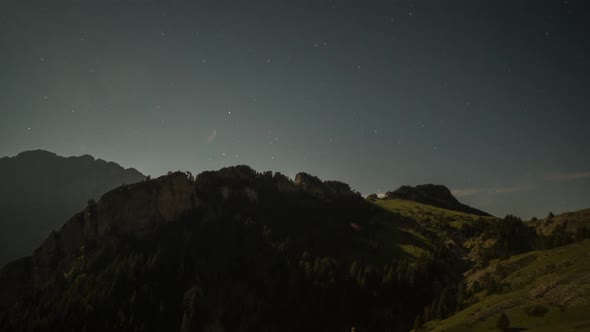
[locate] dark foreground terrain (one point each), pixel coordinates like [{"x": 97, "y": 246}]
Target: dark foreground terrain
[{"x": 239, "y": 250}]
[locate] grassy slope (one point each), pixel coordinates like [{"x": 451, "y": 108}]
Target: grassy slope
[
  {"x": 423, "y": 213},
  {"x": 558, "y": 279}
]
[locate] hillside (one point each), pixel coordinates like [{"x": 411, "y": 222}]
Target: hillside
[
  {"x": 240, "y": 250},
  {"x": 40, "y": 190},
  {"x": 433, "y": 195},
  {"x": 232, "y": 250},
  {"x": 539, "y": 291},
  {"x": 569, "y": 222},
  {"x": 424, "y": 212}
]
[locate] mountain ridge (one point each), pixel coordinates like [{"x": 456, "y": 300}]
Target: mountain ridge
[
  {"x": 217, "y": 237},
  {"x": 40, "y": 190},
  {"x": 238, "y": 249}
]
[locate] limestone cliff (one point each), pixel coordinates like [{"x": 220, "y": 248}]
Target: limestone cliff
[{"x": 128, "y": 210}]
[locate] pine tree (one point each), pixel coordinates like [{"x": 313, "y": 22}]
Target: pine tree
[
  {"x": 461, "y": 295},
  {"x": 503, "y": 323},
  {"x": 427, "y": 314},
  {"x": 418, "y": 323}
]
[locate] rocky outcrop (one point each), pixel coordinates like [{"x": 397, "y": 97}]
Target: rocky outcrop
[
  {"x": 128, "y": 210},
  {"x": 435, "y": 195},
  {"x": 322, "y": 189},
  {"x": 138, "y": 209},
  {"x": 372, "y": 197},
  {"x": 570, "y": 222}
]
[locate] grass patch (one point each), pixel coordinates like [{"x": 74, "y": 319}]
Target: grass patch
[
  {"x": 423, "y": 212},
  {"x": 550, "y": 291}
]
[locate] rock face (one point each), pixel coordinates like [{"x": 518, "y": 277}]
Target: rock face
[
  {"x": 131, "y": 210},
  {"x": 569, "y": 222},
  {"x": 435, "y": 195},
  {"x": 39, "y": 190},
  {"x": 138, "y": 209},
  {"x": 323, "y": 189}
]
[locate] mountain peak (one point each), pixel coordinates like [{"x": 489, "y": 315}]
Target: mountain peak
[
  {"x": 36, "y": 154},
  {"x": 432, "y": 194}
]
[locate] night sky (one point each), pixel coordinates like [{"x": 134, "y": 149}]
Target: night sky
[{"x": 490, "y": 98}]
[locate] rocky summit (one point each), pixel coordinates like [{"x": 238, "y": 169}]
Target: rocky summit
[{"x": 432, "y": 194}]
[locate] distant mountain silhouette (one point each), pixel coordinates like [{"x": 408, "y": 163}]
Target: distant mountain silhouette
[
  {"x": 40, "y": 190},
  {"x": 435, "y": 195}
]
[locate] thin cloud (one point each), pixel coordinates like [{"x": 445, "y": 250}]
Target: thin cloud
[
  {"x": 554, "y": 176},
  {"x": 488, "y": 190},
  {"x": 567, "y": 176},
  {"x": 467, "y": 192},
  {"x": 212, "y": 136}
]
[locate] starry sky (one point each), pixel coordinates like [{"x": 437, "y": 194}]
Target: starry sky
[{"x": 487, "y": 97}]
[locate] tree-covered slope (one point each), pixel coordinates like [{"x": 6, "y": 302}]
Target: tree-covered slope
[{"x": 232, "y": 250}]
